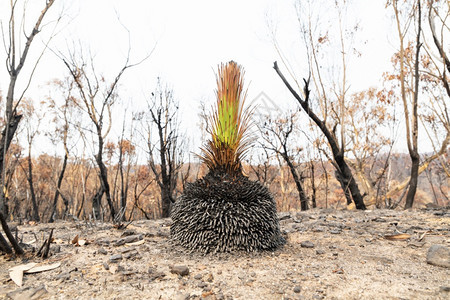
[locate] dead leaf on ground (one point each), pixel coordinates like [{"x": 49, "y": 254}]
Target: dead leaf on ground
[
  {"x": 398, "y": 237},
  {"x": 80, "y": 242},
  {"x": 43, "y": 268},
  {"x": 16, "y": 273},
  {"x": 75, "y": 239}
]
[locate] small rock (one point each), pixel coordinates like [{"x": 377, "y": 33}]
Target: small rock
[
  {"x": 128, "y": 239},
  {"x": 445, "y": 288},
  {"x": 55, "y": 249},
  {"x": 297, "y": 289},
  {"x": 115, "y": 258},
  {"x": 106, "y": 266},
  {"x": 439, "y": 255},
  {"x": 379, "y": 219},
  {"x": 415, "y": 244},
  {"x": 284, "y": 216},
  {"x": 198, "y": 276},
  {"x": 63, "y": 276},
  {"x": 180, "y": 270},
  {"x": 307, "y": 244},
  {"x": 335, "y": 231},
  {"x": 127, "y": 249},
  {"x": 103, "y": 242},
  {"x": 182, "y": 297},
  {"x": 320, "y": 251},
  {"x": 27, "y": 293},
  {"x": 219, "y": 296},
  {"x": 133, "y": 254},
  {"x": 156, "y": 275},
  {"x": 128, "y": 232},
  {"x": 102, "y": 251}
]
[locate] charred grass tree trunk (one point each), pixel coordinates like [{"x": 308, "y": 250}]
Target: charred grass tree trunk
[
  {"x": 338, "y": 155},
  {"x": 225, "y": 211}
]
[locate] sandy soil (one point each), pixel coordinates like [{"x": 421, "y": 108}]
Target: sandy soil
[{"x": 329, "y": 255}]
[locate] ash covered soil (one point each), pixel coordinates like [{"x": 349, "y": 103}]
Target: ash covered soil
[{"x": 329, "y": 254}]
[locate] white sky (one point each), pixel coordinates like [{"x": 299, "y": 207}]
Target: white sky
[{"x": 191, "y": 38}]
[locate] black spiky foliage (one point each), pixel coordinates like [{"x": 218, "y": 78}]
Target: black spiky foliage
[{"x": 225, "y": 211}]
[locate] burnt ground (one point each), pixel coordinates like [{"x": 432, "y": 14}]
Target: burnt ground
[{"x": 329, "y": 255}]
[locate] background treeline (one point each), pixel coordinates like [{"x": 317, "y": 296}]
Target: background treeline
[{"x": 143, "y": 195}]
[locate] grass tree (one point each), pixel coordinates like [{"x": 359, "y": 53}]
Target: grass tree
[{"x": 225, "y": 211}]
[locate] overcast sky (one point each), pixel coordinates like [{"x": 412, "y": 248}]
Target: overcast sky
[{"x": 190, "y": 38}]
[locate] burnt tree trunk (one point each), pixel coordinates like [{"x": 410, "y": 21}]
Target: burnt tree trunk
[
  {"x": 4, "y": 247},
  {"x": 415, "y": 161},
  {"x": 301, "y": 192},
  {"x": 97, "y": 203},
  {"x": 123, "y": 186},
  {"x": 412, "y": 146},
  {"x": 5, "y": 142},
  {"x": 338, "y": 152},
  {"x": 103, "y": 174},
  {"x": 32, "y": 193},
  {"x": 4, "y": 146},
  {"x": 11, "y": 238},
  {"x": 313, "y": 185},
  {"x": 58, "y": 186}
]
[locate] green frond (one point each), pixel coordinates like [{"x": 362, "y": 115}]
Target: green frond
[{"x": 229, "y": 123}]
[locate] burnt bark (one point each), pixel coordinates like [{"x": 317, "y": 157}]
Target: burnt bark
[
  {"x": 123, "y": 185},
  {"x": 338, "y": 152},
  {"x": 298, "y": 183},
  {"x": 5, "y": 142},
  {"x": 4, "y": 247},
  {"x": 30, "y": 183},
  {"x": 412, "y": 145},
  {"x": 313, "y": 185},
  {"x": 103, "y": 174},
  {"x": 9, "y": 235},
  {"x": 415, "y": 161},
  {"x": 164, "y": 112},
  {"x": 58, "y": 187},
  {"x": 96, "y": 203}
]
